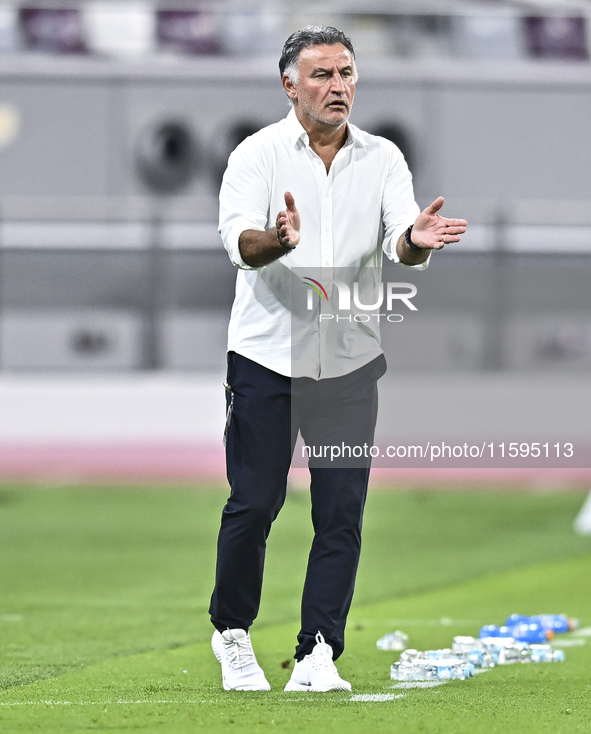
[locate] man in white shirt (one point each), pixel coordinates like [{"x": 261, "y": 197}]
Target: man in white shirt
[{"x": 311, "y": 191}]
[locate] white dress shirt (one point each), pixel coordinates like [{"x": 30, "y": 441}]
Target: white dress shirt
[{"x": 348, "y": 216}]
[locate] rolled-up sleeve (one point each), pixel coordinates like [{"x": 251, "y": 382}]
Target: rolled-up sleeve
[
  {"x": 244, "y": 198},
  {"x": 399, "y": 208}
]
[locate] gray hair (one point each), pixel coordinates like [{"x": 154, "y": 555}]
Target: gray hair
[{"x": 310, "y": 35}]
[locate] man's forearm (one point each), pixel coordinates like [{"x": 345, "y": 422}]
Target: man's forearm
[
  {"x": 260, "y": 248},
  {"x": 407, "y": 255}
]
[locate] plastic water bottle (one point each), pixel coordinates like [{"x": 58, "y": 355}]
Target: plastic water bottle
[
  {"x": 431, "y": 665},
  {"x": 522, "y": 631},
  {"x": 409, "y": 671},
  {"x": 393, "y": 641},
  {"x": 463, "y": 643},
  {"x": 517, "y": 652},
  {"x": 545, "y": 654},
  {"x": 473, "y": 651},
  {"x": 453, "y": 669},
  {"x": 430, "y": 670},
  {"x": 531, "y": 632},
  {"x": 447, "y": 665},
  {"x": 494, "y": 646},
  {"x": 521, "y": 652},
  {"x": 409, "y": 655},
  {"x": 438, "y": 654},
  {"x": 558, "y": 623},
  {"x": 412, "y": 655}
]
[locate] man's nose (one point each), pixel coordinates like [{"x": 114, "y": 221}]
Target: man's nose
[{"x": 338, "y": 85}]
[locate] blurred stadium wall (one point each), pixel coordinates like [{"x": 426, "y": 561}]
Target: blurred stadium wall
[{"x": 116, "y": 121}]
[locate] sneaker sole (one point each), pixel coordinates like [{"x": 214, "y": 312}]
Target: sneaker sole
[
  {"x": 218, "y": 657},
  {"x": 292, "y": 686}
]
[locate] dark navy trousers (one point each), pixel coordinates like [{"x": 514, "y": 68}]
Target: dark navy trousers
[{"x": 267, "y": 410}]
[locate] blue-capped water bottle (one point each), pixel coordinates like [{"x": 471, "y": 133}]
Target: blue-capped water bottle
[
  {"x": 522, "y": 631},
  {"x": 558, "y": 623},
  {"x": 531, "y": 632},
  {"x": 490, "y": 630}
]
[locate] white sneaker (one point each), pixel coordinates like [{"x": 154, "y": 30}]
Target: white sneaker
[
  {"x": 240, "y": 670},
  {"x": 317, "y": 672}
]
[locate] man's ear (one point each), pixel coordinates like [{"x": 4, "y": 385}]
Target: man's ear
[{"x": 289, "y": 87}]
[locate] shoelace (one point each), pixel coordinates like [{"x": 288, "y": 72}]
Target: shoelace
[
  {"x": 240, "y": 652},
  {"x": 320, "y": 639}
]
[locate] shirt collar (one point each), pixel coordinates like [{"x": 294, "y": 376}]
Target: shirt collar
[{"x": 296, "y": 132}]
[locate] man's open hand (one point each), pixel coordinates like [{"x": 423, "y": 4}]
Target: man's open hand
[
  {"x": 288, "y": 223},
  {"x": 432, "y": 232}
]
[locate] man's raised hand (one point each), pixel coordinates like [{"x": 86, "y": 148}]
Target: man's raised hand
[
  {"x": 432, "y": 232},
  {"x": 288, "y": 223}
]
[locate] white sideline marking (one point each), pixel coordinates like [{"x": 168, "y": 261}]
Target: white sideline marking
[
  {"x": 583, "y": 632},
  {"x": 441, "y": 622},
  {"x": 572, "y": 642},
  {"x": 376, "y": 696},
  {"x": 90, "y": 703},
  {"x": 420, "y": 684},
  {"x": 357, "y": 697}
]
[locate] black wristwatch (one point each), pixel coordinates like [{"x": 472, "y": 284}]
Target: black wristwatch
[
  {"x": 410, "y": 243},
  {"x": 283, "y": 244}
]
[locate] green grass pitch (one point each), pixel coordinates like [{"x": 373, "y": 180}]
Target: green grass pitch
[{"x": 104, "y": 627}]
